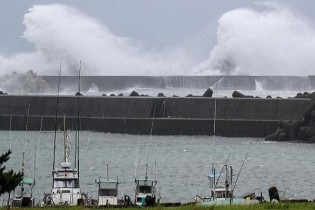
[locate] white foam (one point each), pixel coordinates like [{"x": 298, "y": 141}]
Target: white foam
[
  {"x": 61, "y": 33},
  {"x": 274, "y": 41}
]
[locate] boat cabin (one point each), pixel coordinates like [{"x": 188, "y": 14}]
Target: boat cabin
[
  {"x": 145, "y": 192},
  {"x": 219, "y": 190},
  {"x": 220, "y": 193},
  {"x": 66, "y": 188},
  {"x": 107, "y": 192},
  {"x": 24, "y": 193}
]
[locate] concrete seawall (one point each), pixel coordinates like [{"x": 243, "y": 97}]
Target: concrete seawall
[{"x": 136, "y": 115}]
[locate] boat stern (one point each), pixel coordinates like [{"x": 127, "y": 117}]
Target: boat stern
[
  {"x": 67, "y": 197},
  {"x": 107, "y": 201}
]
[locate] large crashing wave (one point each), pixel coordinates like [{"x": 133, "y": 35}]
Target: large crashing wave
[
  {"x": 19, "y": 83},
  {"x": 60, "y": 33},
  {"x": 270, "y": 42}
]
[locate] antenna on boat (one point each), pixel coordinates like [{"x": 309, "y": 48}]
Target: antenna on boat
[
  {"x": 56, "y": 116},
  {"x": 136, "y": 160},
  {"x": 107, "y": 171},
  {"x": 215, "y": 116},
  {"x": 146, "y": 171},
  {"x": 23, "y": 165},
  {"x": 26, "y": 123},
  {"x": 10, "y": 132},
  {"x": 36, "y": 148},
  {"x": 152, "y": 120},
  {"x": 155, "y": 168}
]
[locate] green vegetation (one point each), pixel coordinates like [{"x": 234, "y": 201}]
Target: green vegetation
[
  {"x": 266, "y": 206},
  {"x": 9, "y": 180}
]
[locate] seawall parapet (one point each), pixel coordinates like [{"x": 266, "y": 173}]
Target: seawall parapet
[{"x": 238, "y": 117}]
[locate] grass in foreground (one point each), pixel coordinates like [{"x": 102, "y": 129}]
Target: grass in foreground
[{"x": 266, "y": 206}]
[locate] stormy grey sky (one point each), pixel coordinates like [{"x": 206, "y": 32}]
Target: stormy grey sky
[{"x": 185, "y": 27}]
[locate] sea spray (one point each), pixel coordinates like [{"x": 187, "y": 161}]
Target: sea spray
[
  {"x": 60, "y": 33},
  {"x": 270, "y": 42}
]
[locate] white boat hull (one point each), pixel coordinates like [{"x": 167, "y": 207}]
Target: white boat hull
[
  {"x": 219, "y": 202},
  {"x": 140, "y": 198},
  {"x": 66, "y": 196},
  {"x": 107, "y": 200}
]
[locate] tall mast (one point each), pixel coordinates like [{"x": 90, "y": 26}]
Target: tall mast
[
  {"x": 56, "y": 118},
  {"x": 25, "y": 136},
  {"x": 78, "y": 123}
]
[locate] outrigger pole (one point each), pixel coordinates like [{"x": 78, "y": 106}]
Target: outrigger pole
[
  {"x": 231, "y": 194},
  {"x": 238, "y": 175}
]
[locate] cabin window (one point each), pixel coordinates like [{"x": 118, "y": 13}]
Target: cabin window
[
  {"x": 145, "y": 189},
  {"x": 108, "y": 185},
  {"x": 68, "y": 183},
  {"x": 145, "y": 182},
  {"x": 65, "y": 191},
  {"x": 107, "y": 192},
  {"x": 220, "y": 194},
  {"x": 59, "y": 183},
  {"x": 139, "y": 200}
]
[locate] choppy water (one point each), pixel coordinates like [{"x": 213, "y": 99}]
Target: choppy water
[{"x": 183, "y": 162}]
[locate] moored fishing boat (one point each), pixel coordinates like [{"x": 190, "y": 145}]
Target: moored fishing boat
[
  {"x": 66, "y": 180},
  {"x": 145, "y": 191},
  {"x": 221, "y": 193},
  {"x": 24, "y": 195},
  {"x": 66, "y": 186},
  {"x": 107, "y": 191}
]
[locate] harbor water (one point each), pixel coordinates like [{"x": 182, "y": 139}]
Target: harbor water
[{"x": 179, "y": 163}]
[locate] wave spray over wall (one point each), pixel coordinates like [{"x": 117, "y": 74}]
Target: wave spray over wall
[
  {"x": 270, "y": 42},
  {"x": 61, "y": 33}
]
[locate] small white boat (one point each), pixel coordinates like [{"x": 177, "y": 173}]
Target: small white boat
[
  {"x": 145, "y": 192},
  {"x": 24, "y": 195},
  {"x": 107, "y": 191},
  {"x": 66, "y": 186},
  {"x": 221, "y": 193},
  {"x": 66, "y": 189}
]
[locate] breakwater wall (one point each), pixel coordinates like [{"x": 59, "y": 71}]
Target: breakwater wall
[{"x": 232, "y": 117}]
